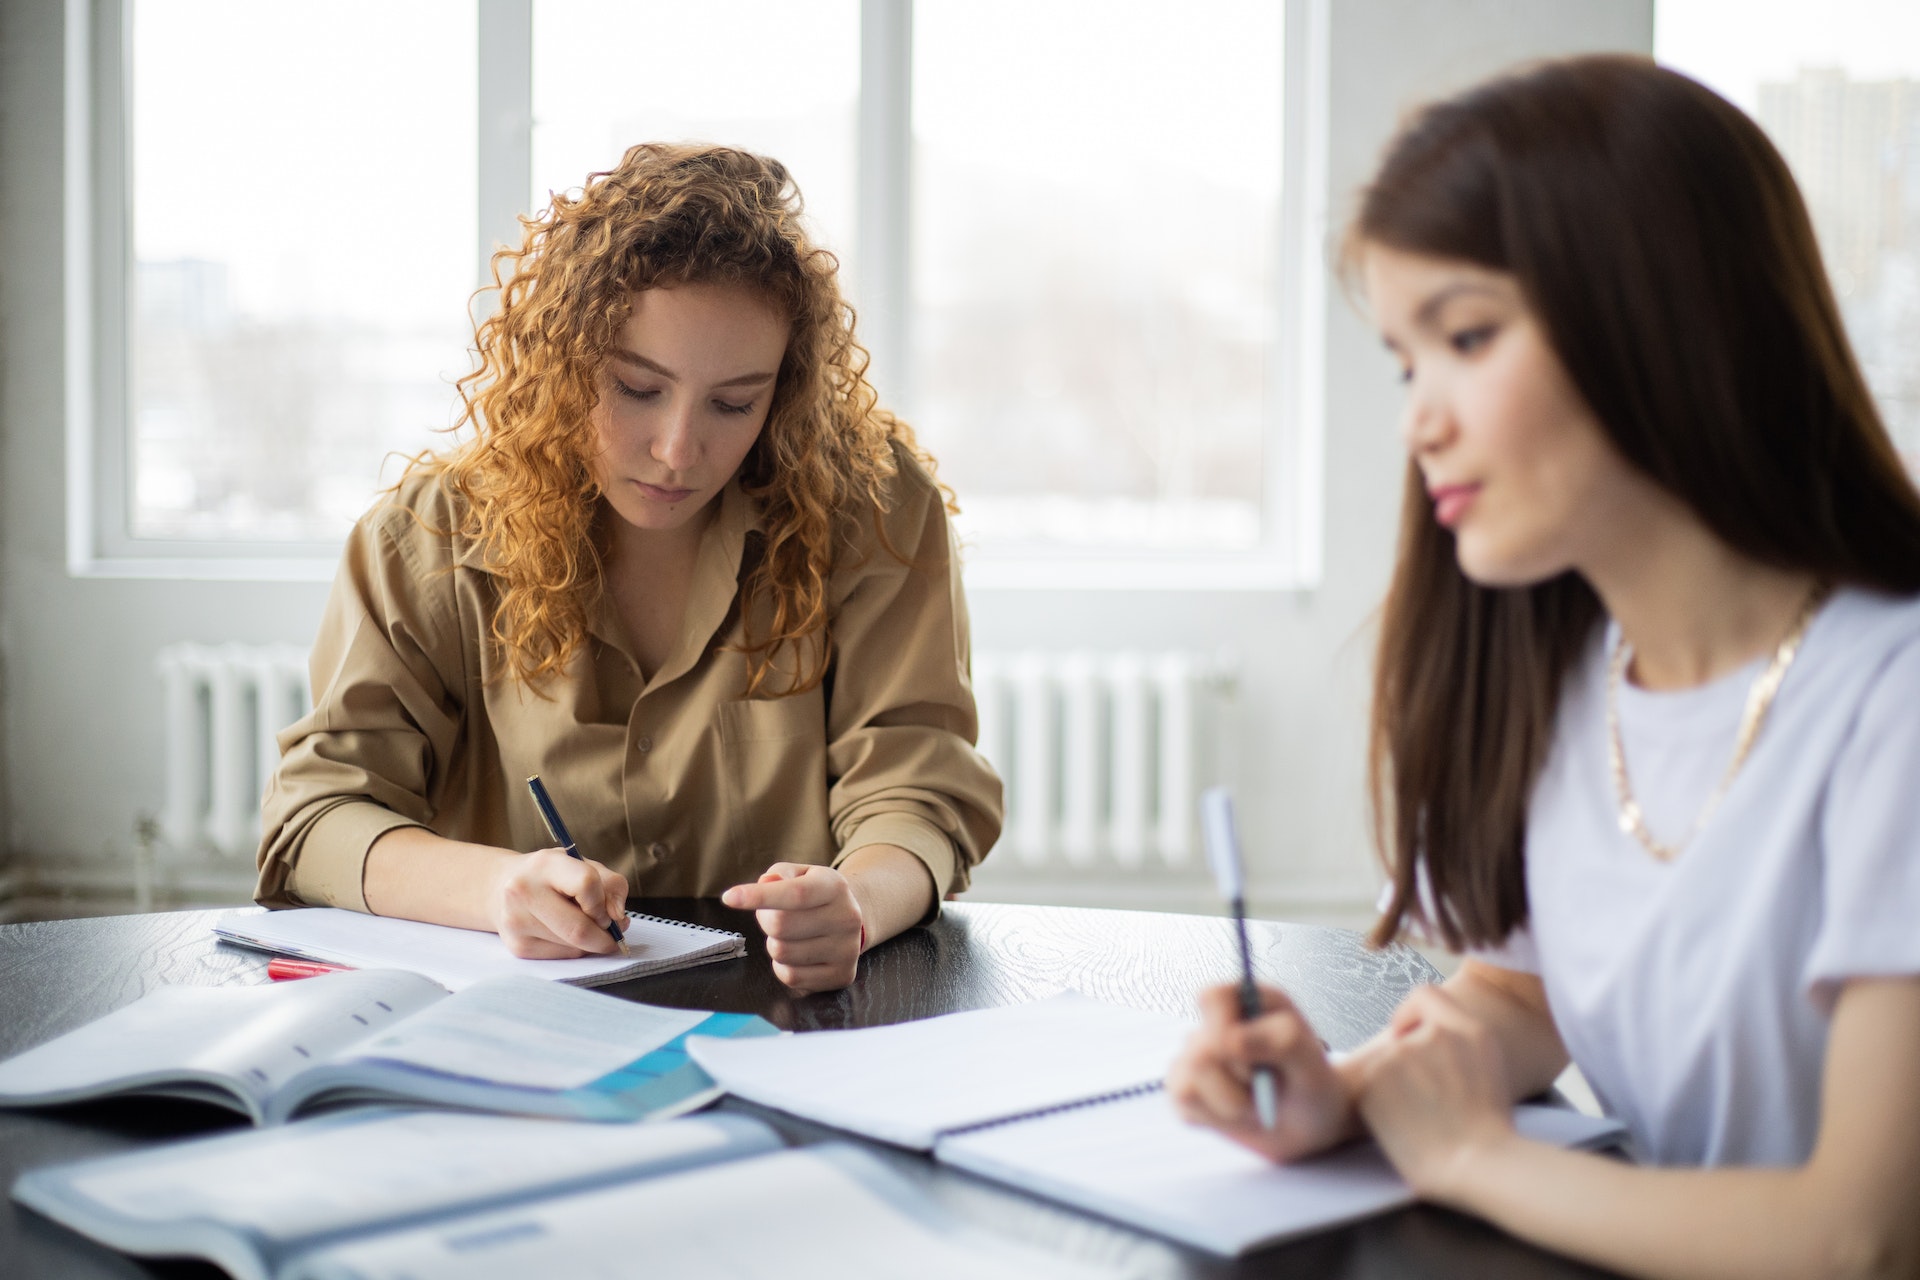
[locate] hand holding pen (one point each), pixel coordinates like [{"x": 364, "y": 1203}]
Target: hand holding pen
[
  {"x": 558, "y": 830},
  {"x": 1252, "y": 1039}
]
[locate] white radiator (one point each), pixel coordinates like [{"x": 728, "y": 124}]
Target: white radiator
[
  {"x": 224, "y": 704},
  {"x": 1101, "y": 754}
]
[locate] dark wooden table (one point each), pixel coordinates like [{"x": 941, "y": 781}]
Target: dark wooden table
[{"x": 56, "y": 976}]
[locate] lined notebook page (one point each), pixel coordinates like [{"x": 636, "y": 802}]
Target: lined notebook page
[
  {"x": 912, "y": 1081},
  {"x": 456, "y": 958},
  {"x": 1135, "y": 1160}
]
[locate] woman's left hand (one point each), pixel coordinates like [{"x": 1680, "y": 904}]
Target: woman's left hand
[
  {"x": 812, "y": 920},
  {"x": 1434, "y": 1092}
]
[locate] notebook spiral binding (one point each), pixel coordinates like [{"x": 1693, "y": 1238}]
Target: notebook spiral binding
[
  {"x": 1099, "y": 1099},
  {"x": 684, "y": 924}
]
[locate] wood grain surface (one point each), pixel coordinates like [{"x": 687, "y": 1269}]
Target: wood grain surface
[{"x": 59, "y": 975}]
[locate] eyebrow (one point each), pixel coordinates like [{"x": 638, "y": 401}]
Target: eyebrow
[
  {"x": 740, "y": 380},
  {"x": 1447, "y": 293}
]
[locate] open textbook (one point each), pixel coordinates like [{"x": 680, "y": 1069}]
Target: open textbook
[
  {"x": 1062, "y": 1098},
  {"x": 455, "y": 957},
  {"x": 426, "y": 1196},
  {"x": 510, "y": 1044}
]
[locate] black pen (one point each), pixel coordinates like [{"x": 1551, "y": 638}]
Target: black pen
[
  {"x": 558, "y": 830},
  {"x": 1223, "y": 851}
]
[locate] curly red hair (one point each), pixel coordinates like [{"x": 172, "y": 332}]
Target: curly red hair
[{"x": 665, "y": 216}]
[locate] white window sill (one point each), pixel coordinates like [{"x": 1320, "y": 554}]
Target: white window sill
[
  {"x": 253, "y": 568},
  {"x": 1043, "y": 571}
]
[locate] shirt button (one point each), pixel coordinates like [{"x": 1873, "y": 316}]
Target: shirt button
[
  {"x": 659, "y": 850},
  {"x": 643, "y": 743}
]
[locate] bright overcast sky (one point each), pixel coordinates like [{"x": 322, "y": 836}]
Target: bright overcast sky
[{"x": 1733, "y": 45}]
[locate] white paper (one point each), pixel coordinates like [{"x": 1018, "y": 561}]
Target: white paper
[
  {"x": 457, "y": 958},
  {"x": 303, "y": 1179},
  {"x": 909, "y": 1082},
  {"x": 1136, "y": 1161},
  {"x": 527, "y": 1032},
  {"x": 795, "y": 1215}
]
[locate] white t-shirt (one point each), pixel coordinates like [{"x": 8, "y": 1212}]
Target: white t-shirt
[{"x": 1695, "y": 995}]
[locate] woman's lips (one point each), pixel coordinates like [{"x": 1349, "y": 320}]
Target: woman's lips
[
  {"x": 660, "y": 493},
  {"x": 1450, "y": 502}
]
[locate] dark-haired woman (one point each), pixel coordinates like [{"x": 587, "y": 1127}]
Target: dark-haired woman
[{"x": 1647, "y": 710}]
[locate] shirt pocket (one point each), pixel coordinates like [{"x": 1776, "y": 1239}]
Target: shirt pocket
[{"x": 776, "y": 776}]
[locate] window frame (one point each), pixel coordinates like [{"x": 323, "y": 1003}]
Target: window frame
[{"x": 99, "y": 268}]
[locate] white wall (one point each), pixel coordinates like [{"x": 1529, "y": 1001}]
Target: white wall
[{"x": 79, "y": 700}]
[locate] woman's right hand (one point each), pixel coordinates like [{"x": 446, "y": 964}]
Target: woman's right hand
[
  {"x": 548, "y": 906},
  {"x": 1211, "y": 1082}
]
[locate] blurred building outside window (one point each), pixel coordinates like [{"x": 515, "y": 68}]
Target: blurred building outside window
[
  {"x": 1096, "y": 217},
  {"x": 1837, "y": 88},
  {"x": 303, "y": 243}
]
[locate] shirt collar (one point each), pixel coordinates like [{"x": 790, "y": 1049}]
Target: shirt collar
[{"x": 716, "y": 582}]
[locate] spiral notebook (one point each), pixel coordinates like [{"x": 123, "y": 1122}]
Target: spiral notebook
[
  {"x": 1063, "y": 1098},
  {"x": 456, "y": 958},
  {"x": 912, "y": 1083}
]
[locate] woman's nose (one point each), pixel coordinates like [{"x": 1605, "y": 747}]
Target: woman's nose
[
  {"x": 676, "y": 447},
  {"x": 1426, "y": 423}
]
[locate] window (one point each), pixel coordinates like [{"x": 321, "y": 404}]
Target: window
[
  {"x": 303, "y": 241},
  {"x": 1837, "y": 87},
  {"x": 784, "y": 81},
  {"x": 1064, "y": 225},
  {"x": 1094, "y": 307}
]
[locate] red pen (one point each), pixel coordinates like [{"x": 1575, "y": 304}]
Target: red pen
[{"x": 286, "y": 969}]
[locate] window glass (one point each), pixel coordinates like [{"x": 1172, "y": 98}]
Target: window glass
[
  {"x": 1837, "y": 87},
  {"x": 303, "y": 241},
  {"x": 774, "y": 77},
  {"x": 1096, "y": 215}
]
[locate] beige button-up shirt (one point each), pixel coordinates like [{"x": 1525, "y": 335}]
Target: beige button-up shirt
[{"x": 678, "y": 782}]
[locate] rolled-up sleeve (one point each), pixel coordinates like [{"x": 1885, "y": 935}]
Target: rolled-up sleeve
[
  {"x": 901, "y": 722},
  {"x": 387, "y": 685}
]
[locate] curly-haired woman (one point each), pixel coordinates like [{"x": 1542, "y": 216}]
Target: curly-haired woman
[{"x": 685, "y": 569}]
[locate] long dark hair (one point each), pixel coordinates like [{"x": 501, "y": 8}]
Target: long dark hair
[{"x": 1660, "y": 241}]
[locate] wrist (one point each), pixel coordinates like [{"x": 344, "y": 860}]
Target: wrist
[
  {"x": 856, "y": 895},
  {"x": 1474, "y": 1165},
  {"x": 1349, "y": 1069},
  {"x": 491, "y": 902}
]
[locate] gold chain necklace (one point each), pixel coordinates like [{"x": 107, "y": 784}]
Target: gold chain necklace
[{"x": 1759, "y": 700}]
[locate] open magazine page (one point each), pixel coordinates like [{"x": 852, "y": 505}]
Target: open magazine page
[
  {"x": 526, "y": 1032},
  {"x": 248, "y": 1200},
  {"x": 527, "y": 1046},
  {"x": 183, "y": 1038},
  {"x": 819, "y": 1213}
]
